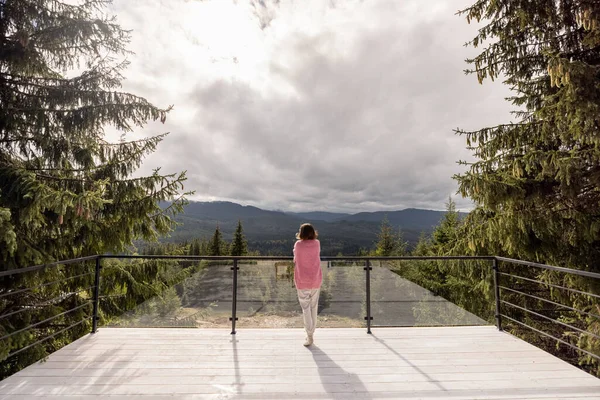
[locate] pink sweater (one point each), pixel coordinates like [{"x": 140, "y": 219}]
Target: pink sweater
[{"x": 307, "y": 258}]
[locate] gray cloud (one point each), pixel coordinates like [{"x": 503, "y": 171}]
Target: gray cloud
[{"x": 361, "y": 117}]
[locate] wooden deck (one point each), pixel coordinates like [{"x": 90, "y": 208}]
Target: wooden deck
[{"x": 393, "y": 363}]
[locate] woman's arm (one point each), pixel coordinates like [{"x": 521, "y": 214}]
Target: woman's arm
[{"x": 295, "y": 252}]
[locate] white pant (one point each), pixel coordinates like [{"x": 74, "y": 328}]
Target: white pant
[{"x": 309, "y": 301}]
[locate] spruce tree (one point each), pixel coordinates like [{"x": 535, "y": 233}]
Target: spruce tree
[
  {"x": 535, "y": 181},
  {"x": 389, "y": 243},
  {"x": 65, "y": 190},
  {"x": 239, "y": 246},
  {"x": 216, "y": 243},
  {"x": 204, "y": 247},
  {"x": 194, "y": 247},
  {"x": 445, "y": 235}
]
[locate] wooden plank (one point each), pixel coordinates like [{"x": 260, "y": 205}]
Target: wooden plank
[
  {"x": 415, "y": 354},
  {"x": 367, "y": 340},
  {"x": 304, "y": 396},
  {"x": 291, "y": 348},
  {"x": 482, "y": 362},
  {"x": 580, "y": 386},
  {"x": 260, "y": 342},
  {"x": 310, "y": 396},
  {"x": 532, "y": 368},
  {"x": 484, "y": 331},
  {"x": 133, "y": 377}
]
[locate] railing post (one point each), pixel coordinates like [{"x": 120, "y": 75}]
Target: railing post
[
  {"x": 368, "y": 269},
  {"x": 497, "y": 294},
  {"x": 96, "y": 296},
  {"x": 233, "y": 318}
]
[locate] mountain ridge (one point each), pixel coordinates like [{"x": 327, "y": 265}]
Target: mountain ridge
[{"x": 274, "y": 232}]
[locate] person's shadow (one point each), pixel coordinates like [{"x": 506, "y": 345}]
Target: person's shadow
[{"x": 336, "y": 381}]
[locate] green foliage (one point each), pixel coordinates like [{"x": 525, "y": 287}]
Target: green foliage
[
  {"x": 389, "y": 242},
  {"x": 217, "y": 246},
  {"x": 127, "y": 283},
  {"x": 465, "y": 283},
  {"x": 239, "y": 246},
  {"x": 65, "y": 191},
  {"x": 445, "y": 234},
  {"x": 196, "y": 247},
  {"x": 428, "y": 274},
  {"x": 535, "y": 182}
]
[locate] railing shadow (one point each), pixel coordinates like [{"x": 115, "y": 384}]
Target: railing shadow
[
  {"x": 236, "y": 365},
  {"x": 331, "y": 388},
  {"x": 415, "y": 367}
]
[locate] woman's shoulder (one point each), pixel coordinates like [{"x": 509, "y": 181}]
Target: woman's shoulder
[{"x": 307, "y": 242}]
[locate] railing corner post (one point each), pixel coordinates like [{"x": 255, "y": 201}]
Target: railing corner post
[
  {"x": 96, "y": 295},
  {"x": 233, "y": 318},
  {"x": 368, "y": 294},
  {"x": 497, "y": 294}
]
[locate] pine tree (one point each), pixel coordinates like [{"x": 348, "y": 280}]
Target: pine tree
[
  {"x": 431, "y": 274},
  {"x": 204, "y": 247},
  {"x": 239, "y": 246},
  {"x": 423, "y": 248},
  {"x": 445, "y": 234},
  {"x": 536, "y": 181},
  {"x": 194, "y": 248},
  {"x": 65, "y": 191},
  {"x": 62, "y": 182},
  {"x": 216, "y": 243},
  {"x": 389, "y": 243},
  {"x": 362, "y": 252}
]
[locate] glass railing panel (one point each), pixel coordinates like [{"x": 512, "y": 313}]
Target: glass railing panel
[
  {"x": 196, "y": 294},
  {"x": 406, "y": 293},
  {"x": 267, "y": 296}
]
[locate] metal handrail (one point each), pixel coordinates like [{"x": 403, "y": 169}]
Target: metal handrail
[
  {"x": 50, "y": 302},
  {"x": 550, "y": 267},
  {"x": 289, "y": 258},
  {"x": 47, "y": 265},
  {"x": 550, "y": 285},
  {"x": 550, "y": 319},
  {"x": 46, "y": 320},
  {"x": 587, "y": 274},
  {"x": 550, "y": 302},
  {"x": 553, "y": 337},
  {"x": 14, "y": 353},
  {"x": 43, "y": 285}
]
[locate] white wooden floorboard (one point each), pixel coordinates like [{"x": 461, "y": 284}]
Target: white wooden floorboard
[{"x": 393, "y": 363}]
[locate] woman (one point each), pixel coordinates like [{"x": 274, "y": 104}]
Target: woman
[{"x": 308, "y": 276}]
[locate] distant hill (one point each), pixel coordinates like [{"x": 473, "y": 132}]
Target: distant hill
[
  {"x": 410, "y": 218},
  {"x": 225, "y": 210},
  {"x": 273, "y": 232},
  {"x": 320, "y": 216}
]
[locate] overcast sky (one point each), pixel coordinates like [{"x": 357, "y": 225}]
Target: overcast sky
[{"x": 339, "y": 105}]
